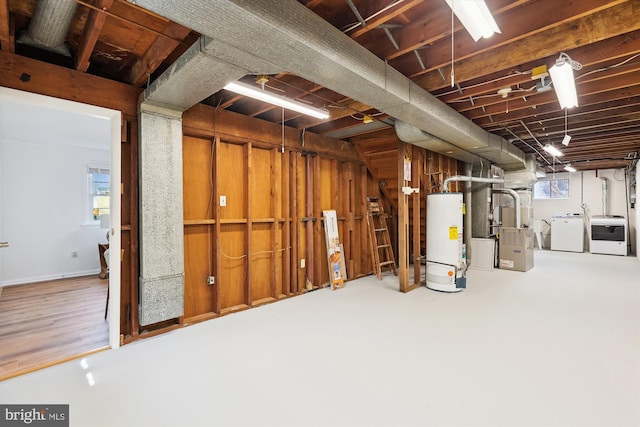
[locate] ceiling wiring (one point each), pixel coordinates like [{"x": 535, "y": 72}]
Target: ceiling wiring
[{"x": 609, "y": 67}]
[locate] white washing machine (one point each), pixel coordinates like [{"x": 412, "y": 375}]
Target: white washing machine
[{"x": 567, "y": 232}]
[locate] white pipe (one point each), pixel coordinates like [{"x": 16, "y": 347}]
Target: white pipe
[
  {"x": 516, "y": 201},
  {"x": 471, "y": 179},
  {"x": 605, "y": 208}
]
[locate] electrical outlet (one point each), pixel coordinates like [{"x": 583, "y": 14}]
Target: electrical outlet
[
  {"x": 211, "y": 280},
  {"x": 302, "y": 263}
]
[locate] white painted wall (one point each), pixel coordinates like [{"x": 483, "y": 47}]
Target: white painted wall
[
  {"x": 43, "y": 197},
  {"x": 585, "y": 191}
]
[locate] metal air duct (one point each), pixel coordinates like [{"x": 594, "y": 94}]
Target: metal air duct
[
  {"x": 49, "y": 26},
  {"x": 292, "y": 38}
]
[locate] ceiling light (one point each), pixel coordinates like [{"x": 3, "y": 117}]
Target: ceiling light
[
  {"x": 569, "y": 168},
  {"x": 565, "y": 140},
  {"x": 367, "y": 119},
  {"x": 552, "y": 150},
  {"x": 563, "y": 81},
  {"x": 281, "y": 101},
  {"x": 475, "y": 16}
]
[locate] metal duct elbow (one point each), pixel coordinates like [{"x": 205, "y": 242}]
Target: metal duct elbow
[
  {"x": 457, "y": 178},
  {"x": 516, "y": 202}
]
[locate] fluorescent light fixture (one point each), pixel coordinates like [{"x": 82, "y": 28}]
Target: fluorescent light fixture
[
  {"x": 564, "y": 83},
  {"x": 565, "y": 140},
  {"x": 552, "y": 150},
  {"x": 475, "y": 16},
  {"x": 280, "y": 101},
  {"x": 569, "y": 168}
]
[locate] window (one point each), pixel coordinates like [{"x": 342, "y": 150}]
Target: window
[
  {"x": 99, "y": 190},
  {"x": 551, "y": 189}
]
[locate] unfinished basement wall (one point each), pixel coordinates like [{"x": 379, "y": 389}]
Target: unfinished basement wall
[{"x": 250, "y": 197}]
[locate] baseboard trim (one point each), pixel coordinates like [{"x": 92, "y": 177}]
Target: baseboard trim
[{"x": 48, "y": 277}]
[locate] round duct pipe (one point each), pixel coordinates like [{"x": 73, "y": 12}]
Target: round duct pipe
[
  {"x": 516, "y": 202},
  {"x": 49, "y": 25},
  {"x": 464, "y": 178}
]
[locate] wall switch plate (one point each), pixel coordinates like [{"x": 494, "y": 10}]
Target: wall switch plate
[
  {"x": 223, "y": 200},
  {"x": 302, "y": 263}
]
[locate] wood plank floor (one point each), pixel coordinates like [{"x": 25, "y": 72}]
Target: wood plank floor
[{"x": 48, "y": 322}]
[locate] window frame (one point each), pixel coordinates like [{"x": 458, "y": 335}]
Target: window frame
[
  {"x": 549, "y": 193},
  {"x": 94, "y": 168}
]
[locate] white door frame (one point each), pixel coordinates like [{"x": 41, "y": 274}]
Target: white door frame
[{"x": 115, "y": 118}]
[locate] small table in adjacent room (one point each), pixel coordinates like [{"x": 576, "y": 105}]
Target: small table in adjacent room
[{"x": 104, "y": 268}]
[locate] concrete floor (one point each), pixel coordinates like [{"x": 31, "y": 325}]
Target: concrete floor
[{"x": 558, "y": 345}]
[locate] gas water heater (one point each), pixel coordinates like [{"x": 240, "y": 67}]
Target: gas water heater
[{"x": 445, "y": 260}]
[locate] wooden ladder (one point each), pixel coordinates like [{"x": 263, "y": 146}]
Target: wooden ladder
[{"x": 379, "y": 241}]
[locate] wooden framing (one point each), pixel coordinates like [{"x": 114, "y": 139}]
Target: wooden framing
[
  {"x": 416, "y": 205},
  {"x": 403, "y": 221},
  {"x": 272, "y": 196}
]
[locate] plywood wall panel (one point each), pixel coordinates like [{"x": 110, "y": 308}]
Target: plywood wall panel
[
  {"x": 260, "y": 190},
  {"x": 199, "y": 297},
  {"x": 233, "y": 257},
  {"x": 197, "y": 167},
  {"x": 262, "y": 253},
  {"x": 232, "y": 178}
]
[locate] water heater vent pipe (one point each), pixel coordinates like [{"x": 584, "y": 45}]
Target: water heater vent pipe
[
  {"x": 470, "y": 179},
  {"x": 605, "y": 191}
]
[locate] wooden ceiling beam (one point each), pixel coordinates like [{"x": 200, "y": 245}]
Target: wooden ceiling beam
[
  {"x": 589, "y": 93},
  {"x": 157, "y": 52},
  {"x": 615, "y": 78},
  {"x": 596, "y": 27},
  {"x": 617, "y": 49},
  {"x": 515, "y": 24},
  {"x": 385, "y": 17},
  {"x": 433, "y": 26},
  {"x": 65, "y": 83},
  {"x": 92, "y": 28},
  {"x": 588, "y": 123},
  {"x": 550, "y": 113}
]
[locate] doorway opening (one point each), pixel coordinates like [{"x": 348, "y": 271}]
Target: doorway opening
[{"x": 49, "y": 151}]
